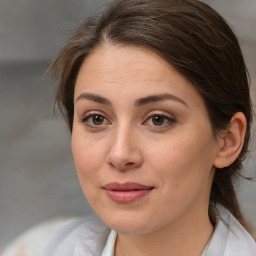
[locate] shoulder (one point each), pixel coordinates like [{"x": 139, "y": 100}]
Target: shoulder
[
  {"x": 239, "y": 241},
  {"x": 85, "y": 236},
  {"x": 34, "y": 239}
]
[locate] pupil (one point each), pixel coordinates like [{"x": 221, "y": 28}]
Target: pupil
[
  {"x": 97, "y": 120},
  {"x": 158, "y": 120}
]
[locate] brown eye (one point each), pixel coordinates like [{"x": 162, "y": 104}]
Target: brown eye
[
  {"x": 97, "y": 120},
  {"x": 158, "y": 120}
]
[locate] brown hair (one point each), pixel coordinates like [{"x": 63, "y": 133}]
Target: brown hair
[{"x": 195, "y": 40}]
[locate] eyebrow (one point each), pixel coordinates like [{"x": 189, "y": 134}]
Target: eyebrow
[
  {"x": 139, "y": 102},
  {"x": 159, "y": 97},
  {"x": 95, "y": 98}
]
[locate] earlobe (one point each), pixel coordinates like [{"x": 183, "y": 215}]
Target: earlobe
[{"x": 231, "y": 143}]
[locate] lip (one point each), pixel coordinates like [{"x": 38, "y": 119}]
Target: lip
[{"x": 127, "y": 192}]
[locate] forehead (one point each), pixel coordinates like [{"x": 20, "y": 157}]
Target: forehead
[
  {"x": 113, "y": 63},
  {"x": 110, "y": 60},
  {"x": 127, "y": 70}
]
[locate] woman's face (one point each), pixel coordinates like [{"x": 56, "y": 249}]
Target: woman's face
[{"x": 142, "y": 141}]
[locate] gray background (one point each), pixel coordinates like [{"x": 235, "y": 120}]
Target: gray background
[{"x": 37, "y": 176}]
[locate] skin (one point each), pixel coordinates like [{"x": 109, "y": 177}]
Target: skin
[{"x": 176, "y": 157}]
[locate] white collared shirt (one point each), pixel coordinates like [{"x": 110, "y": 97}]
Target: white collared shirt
[{"x": 90, "y": 237}]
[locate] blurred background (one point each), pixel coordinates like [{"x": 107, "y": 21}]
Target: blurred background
[{"x": 37, "y": 175}]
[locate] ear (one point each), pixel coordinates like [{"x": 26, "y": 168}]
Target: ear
[{"x": 231, "y": 142}]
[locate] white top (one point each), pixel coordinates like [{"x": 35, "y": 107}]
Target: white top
[
  {"x": 31, "y": 242},
  {"x": 90, "y": 237}
]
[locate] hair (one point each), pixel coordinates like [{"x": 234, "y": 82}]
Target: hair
[{"x": 196, "y": 41}]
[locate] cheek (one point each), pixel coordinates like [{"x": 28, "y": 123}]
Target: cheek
[
  {"x": 87, "y": 161},
  {"x": 87, "y": 155},
  {"x": 185, "y": 160}
]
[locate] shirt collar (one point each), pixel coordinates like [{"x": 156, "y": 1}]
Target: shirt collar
[{"x": 110, "y": 245}]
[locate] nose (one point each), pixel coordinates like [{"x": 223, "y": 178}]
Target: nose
[{"x": 124, "y": 152}]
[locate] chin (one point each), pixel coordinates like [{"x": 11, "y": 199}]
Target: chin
[
  {"x": 127, "y": 224},
  {"x": 129, "y": 229}
]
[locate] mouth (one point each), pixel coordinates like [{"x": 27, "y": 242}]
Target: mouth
[{"x": 128, "y": 192}]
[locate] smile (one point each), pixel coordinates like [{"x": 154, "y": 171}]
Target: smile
[{"x": 128, "y": 192}]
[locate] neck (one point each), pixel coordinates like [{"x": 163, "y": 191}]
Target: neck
[{"x": 186, "y": 236}]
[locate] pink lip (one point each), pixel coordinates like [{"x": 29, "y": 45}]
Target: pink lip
[{"x": 126, "y": 192}]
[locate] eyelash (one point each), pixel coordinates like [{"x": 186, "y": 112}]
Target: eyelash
[
  {"x": 167, "y": 120},
  {"x": 87, "y": 120}
]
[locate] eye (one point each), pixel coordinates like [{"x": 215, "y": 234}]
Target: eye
[
  {"x": 95, "y": 120},
  {"x": 159, "y": 120}
]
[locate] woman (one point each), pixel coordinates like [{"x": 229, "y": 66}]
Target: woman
[{"x": 156, "y": 97}]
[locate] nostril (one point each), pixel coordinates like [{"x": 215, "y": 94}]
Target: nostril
[
  {"x": 124, "y": 160},
  {"x": 123, "y": 166},
  {"x": 130, "y": 163}
]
